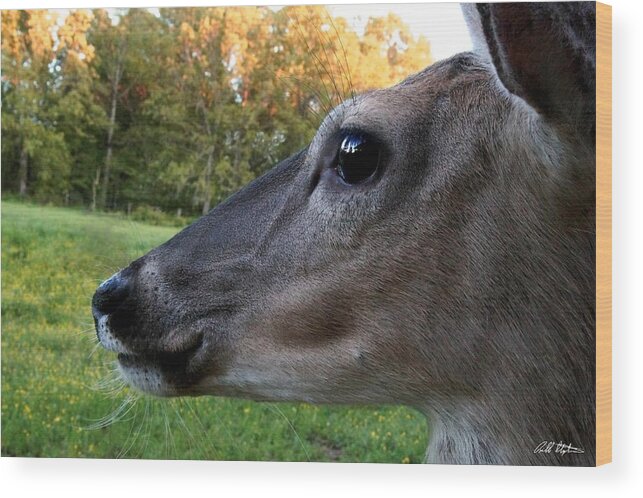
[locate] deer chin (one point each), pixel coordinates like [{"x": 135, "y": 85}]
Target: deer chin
[{"x": 144, "y": 375}]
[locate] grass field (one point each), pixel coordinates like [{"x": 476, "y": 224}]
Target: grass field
[{"x": 56, "y": 391}]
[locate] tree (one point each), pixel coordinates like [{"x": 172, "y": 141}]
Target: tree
[
  {"x": 110, "y": 40},
  {"x": 33, "y": 150},
  {"x": 76, "y": 110},
  {"x": 177, "y": 109},
  {"x": 203, "y": 96},
  {"x": 390, "y": 39}
]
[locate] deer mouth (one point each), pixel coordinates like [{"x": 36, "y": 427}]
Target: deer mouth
[
  {"x": 172, "y": 361},
  {"x": 162, "y": 373}
]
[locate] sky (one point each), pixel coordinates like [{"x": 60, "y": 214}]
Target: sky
[{"x": 440, "y": 23}]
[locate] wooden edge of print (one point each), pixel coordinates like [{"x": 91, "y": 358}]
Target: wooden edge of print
[{"x": 603, "y": 233}]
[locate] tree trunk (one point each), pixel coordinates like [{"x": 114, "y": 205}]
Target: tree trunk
[
  {"x": 110, "y": 138},
  {"x": 23, "y": 172},
  {"x": 106, "y": 169},
  {"x": 208, "y": 183},
  {"x": 95, "y": 188},
  {"x": 116, "y": 80}
]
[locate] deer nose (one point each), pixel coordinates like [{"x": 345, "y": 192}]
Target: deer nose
[{"x": 110, "y": 295}]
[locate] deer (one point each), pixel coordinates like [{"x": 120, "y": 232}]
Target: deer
[{"x": 433, "y": 246}]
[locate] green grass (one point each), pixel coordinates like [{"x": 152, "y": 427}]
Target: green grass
[{"x": 52, "y": 260}]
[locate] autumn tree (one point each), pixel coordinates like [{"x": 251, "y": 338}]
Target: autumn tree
[
  {"x": 77, "y": 112},
  {"x": 35, "y": 156},
  {"x": 176, "y": 109}
]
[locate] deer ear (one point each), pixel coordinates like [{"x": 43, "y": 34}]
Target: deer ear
[{"x": 545, "y": 53}]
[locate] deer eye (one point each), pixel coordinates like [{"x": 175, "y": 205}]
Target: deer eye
[{"x": 358, "y": 158}]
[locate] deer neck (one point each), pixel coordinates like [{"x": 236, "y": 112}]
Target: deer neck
[{"x": 480, "y": 423}]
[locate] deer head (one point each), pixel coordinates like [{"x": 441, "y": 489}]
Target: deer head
[{"x": 433, "y": 246}]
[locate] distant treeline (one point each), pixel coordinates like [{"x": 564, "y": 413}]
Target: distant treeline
[{"x": 173, "y": 110}]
